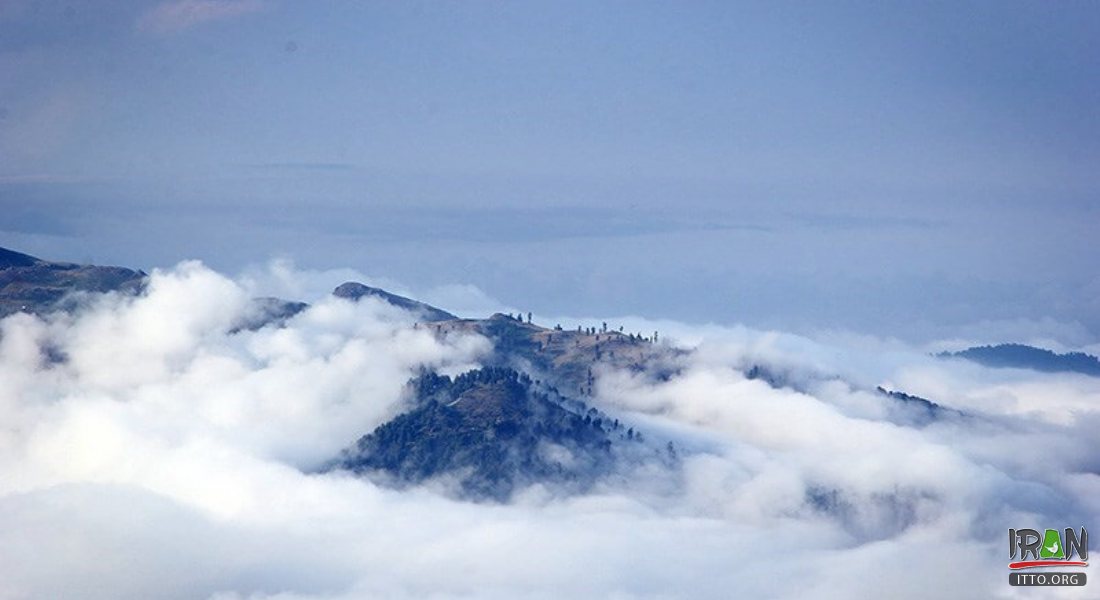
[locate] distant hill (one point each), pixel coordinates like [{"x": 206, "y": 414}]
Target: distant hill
[
  {"x": 11, "y": 258},
  {"x": 30, "y": 284},
  {"x": 567, "y": 357},
  {"x": 914, "y": 410},
  {"x": 1021, "y": 356},
  {"x": 354, "y": 291},
  {"x": 268, "y": 311},
  {"x": 493, "y": 431},
  {"x": 519, "y": 420}
]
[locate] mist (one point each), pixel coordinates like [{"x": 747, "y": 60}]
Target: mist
[{"x": 150, "y": 448}]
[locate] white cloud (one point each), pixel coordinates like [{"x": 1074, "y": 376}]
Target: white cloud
[
  {"x": 178, "y": 15},
  {"x": 167, "y": 458}
]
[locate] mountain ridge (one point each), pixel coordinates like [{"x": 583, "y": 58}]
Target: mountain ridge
[
  {"x": 33, "y": 285},
  {"x": 353, "y": 290},
  {"x": 1023, "y": 356},
  {"x": 524, "y": 416}
]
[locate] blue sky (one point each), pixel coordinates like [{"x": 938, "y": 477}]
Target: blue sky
[{"x": 918, "y": 169}]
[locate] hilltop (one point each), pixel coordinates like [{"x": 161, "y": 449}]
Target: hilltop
[
  {"x": 30, "y": 284},
  {"x": 492, "y": 431},
  {"x": 1021, "y": 356}
]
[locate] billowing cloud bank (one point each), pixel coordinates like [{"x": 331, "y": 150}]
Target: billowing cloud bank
[{"x": 147, "y": 453}]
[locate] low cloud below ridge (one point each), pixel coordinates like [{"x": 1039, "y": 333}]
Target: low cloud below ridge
[{"x": 146, "y": 452}]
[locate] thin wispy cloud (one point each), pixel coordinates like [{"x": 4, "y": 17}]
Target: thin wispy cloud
[{"x": 178, "y": 15}]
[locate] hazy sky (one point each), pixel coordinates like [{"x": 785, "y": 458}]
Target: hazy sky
[{"x": 910, "y": 169}]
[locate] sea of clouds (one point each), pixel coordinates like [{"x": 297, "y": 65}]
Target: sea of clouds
[{"x": 147, "y": 452}]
